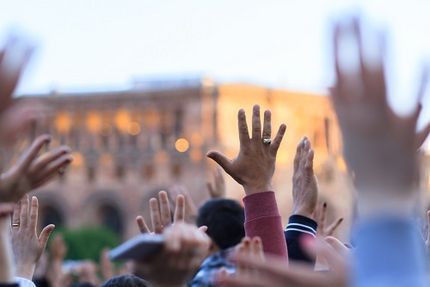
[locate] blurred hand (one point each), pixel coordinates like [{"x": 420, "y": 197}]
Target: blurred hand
[
  {"x": 106, "y": 266},
  {"x": 379, "y": 145},
  {"x": 274, "y": 272},
  {"x": 324, "y": 229},
  {"x": 58, "y": 248},
  {"x": 252, "y": 248},
  {"x": 15, "y": 116},
  {"x": 161, "y": 216},
  {"x": 190, "y": 206},
  {"x": 185, "y": 249},
  {"x": 217, "y": 189},
  {"x": 32, "y": 171},
  {"x": 57, "y": 252},
  {"x": 254, "y": 167},
  {"x": 26, "y": 244},
  {"x": 305, "y": 187},
  {"x": 87, "y": 273}
]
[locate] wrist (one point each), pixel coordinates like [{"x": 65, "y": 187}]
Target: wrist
[
  {"x": 376, "y": 201},
  {"x": 25, "y": 270},
  {"x": 303, "y": 212},
  {"x": 256, "y": 188}
]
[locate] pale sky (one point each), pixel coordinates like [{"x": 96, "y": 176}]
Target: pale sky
[{"x": 105, "y": 44}]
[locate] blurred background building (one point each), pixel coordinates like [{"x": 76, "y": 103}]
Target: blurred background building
[{"x": 130, "y": 144}]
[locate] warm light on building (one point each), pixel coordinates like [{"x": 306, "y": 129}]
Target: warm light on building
[
  {"x": 94, "y": 122},
  {"x": 182, "y": 145},
  {"x": 122, "y": 120},
  {"x": 77, "y": 160},
  {"x": 134, "y": 128},
  {"x": 63, "y": 122}
]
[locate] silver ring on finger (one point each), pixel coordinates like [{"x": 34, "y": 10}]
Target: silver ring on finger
[{"x": 267, "y": 141}]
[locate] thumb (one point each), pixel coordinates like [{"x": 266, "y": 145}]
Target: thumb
[
  {"x": 44, "y": 235},
  {"x": 422, "y": 136},
  {"x": 337, "y": 245},
  {"x": 221, "y": 160}
]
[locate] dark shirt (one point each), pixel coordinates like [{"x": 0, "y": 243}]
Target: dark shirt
[{"x": 297, "y": 227}]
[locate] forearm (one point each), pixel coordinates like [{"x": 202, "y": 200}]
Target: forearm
[
  {"x": 262, "y": 219},
  {"x": 6, "y": 256}
]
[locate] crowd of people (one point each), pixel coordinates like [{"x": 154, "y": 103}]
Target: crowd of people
[{"x": 228, "y": 243}]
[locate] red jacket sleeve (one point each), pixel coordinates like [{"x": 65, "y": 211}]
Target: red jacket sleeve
[{"x": 262, "y": 219}]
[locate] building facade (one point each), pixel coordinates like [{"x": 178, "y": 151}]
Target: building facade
[{"x": 130, "y": 144}]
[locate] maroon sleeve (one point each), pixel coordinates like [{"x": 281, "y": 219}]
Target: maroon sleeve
[{"x": 262, "y": 219}]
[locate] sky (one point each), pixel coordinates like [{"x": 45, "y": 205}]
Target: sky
[{"x": 109, "y": 44}]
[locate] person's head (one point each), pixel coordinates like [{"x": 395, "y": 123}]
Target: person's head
[
  {"x": 224, "y": 219},
  {"x": 125, "y": 281}
]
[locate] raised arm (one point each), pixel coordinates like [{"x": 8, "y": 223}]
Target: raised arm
[
  {"x": 253, "y": 168},
  {"x": 380, "y": 149}
]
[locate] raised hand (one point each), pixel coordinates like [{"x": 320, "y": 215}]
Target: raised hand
[
  {"x": 27, "y": 245},
  {"x": 379, "y": 145},
  {"x": 161, "y": 216},
  {"x": 324, "y": 229},
  {"x": 32, "y": 171},
  {"x": 190, "y": 206},
  {"x": 254, "y": 166},
  {"x": 15, "y": 117},
  {"x": 252, "y": 248},
  {"x": 305, "y": 186},
  {"x": 185, "y": 248},
  {"x": 271, "y": 271},
  {"x": 57, "y": 252},
  {"x": 217, "y": 189},
  {"x": 106, "y": 266}
]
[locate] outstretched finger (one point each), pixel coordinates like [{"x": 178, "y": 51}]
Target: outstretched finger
[
  {"x": 309, "y": 165},
  {"x": 154, "y": 209},
  {"x": 332, "y": 228},
  {"x": 16, "y": 214},
  {"x": 298, "y": 157},
  {"x": 31, "y": 153},
  {"x": 267, "y": 125},
  {"x": 243, "y": 128},
  {"x": 278, "y": 140},
  {"x": 141, "y": 224},
  {"x": 256, "y": 123},
  {"x": 23, "y": 217},
  {"x": 51, "y": 170},
  {"x": 166, "y": 215},
  {"x": 179, "y": 209},
  {"x": 34, "y": 213},
  {"x": 48, "y": 157}
]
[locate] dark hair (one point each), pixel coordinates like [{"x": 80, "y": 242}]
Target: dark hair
[
  {"x": 224, "y": 219},
  {"x": 125, "y": 281}
]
